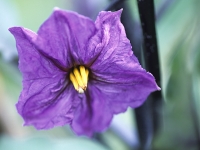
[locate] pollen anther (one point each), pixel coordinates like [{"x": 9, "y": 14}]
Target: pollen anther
[{"x": 79, "y": 78}]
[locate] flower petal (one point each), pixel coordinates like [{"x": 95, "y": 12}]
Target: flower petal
[
  {"x": 93, "y": 114},
  {"x": 110, "y": 43},
  {"x": 49, "y": 107},
  {"x": 114, "y": 59},
  {"x": 43, "y": 86},
  {"x": 103, "y": 100},
  {"x": 132, "y": 94},
  {"x": 64, "y": 35}
]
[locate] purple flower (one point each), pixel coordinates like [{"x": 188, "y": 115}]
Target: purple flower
[{"x": 78, "y": 72}]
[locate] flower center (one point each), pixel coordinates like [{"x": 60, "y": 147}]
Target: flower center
[{"x": 79, "y": 78}]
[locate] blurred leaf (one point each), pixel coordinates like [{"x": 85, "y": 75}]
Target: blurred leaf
[
  {"x": 9, "y": 92},
  {"x": 42, "y": 143},
  {"x": 177, "y": 34},
  {"x": 178, "y": 124}
]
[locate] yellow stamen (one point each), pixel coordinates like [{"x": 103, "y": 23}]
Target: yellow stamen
[
  {"x": 83, "y": 75},
  {"x": 79, "y": 78},
  {"x": 74, "y": 81}
]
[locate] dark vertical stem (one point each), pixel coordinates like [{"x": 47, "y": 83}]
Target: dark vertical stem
[
  {"x": 144, "y": 122},
  {"x": 148, "y": 115},
  {"x": 147, "y": 18},
  {"x": 133, "y": 32}
]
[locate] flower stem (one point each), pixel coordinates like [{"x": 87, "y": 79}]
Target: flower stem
[{"x": 148, "y": 115}]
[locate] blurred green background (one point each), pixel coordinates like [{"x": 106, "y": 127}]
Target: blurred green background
[{"x": 179, "y": 51}]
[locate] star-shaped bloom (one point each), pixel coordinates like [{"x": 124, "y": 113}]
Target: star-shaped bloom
[{"x": 78, "y": 72}]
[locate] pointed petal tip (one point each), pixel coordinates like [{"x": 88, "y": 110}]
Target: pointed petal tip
[
  {"x": 58, "y": 12},
  {"x": 158, "y": 88},
  {"x": 120, "y": 10},
  {"x": 19, "y": 30},
  {"x": 11, "y": 29},
  {"x": 14, "y": 29},
  {"x": 56, "y": 8}
]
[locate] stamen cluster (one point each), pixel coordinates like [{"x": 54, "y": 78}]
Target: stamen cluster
[{"x": 79, "y": 78}]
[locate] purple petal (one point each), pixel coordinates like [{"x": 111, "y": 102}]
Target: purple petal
[
  {"x": 93, "y": 114},
  {"x": 112, "y": 46},
  {"x": 110, "y": 43},
  {"x": 49, "y": 107},
  {"x": 114, "y": 59},
  {"x": 64, "y": 35},
  {"x": 102, "y": 100},
  {"x": 121, "y": 96},
  {"x": 116, "y": 78},
  {"x": 44, "y": 86}
]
